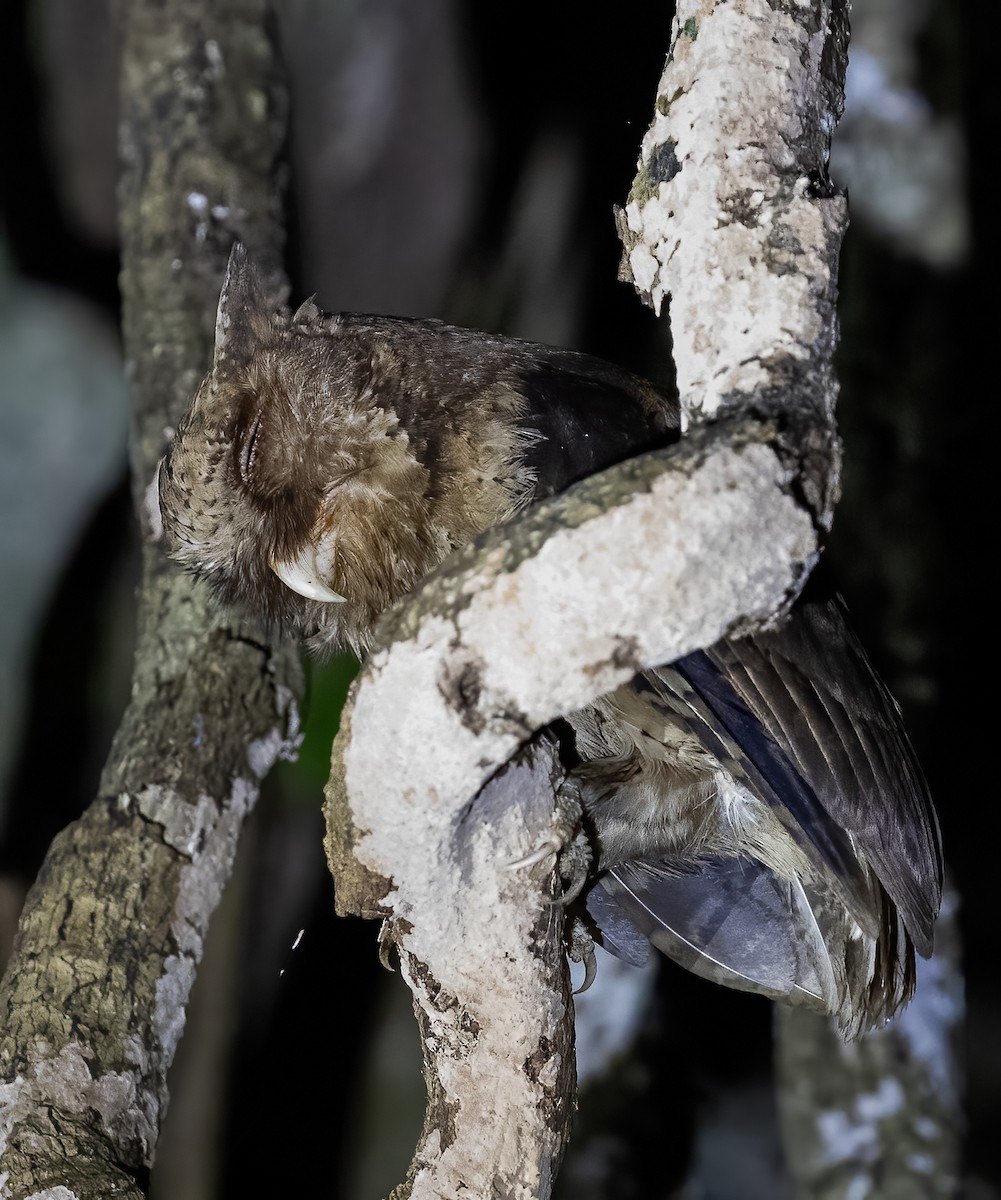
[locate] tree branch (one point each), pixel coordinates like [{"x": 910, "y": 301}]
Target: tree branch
[
  {"x": 112, "y": 931},
  {"x": 512, "y": 633},
  {"x": 882, "y": 1116},
  {"x": 731, "y": 213}
]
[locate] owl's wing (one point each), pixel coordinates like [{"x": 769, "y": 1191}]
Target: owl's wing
[
  {"x": 798, "y": 718},
  {"x": 729, "y": 920},
  {"x": 572, "y": 414},
  {"x": 697, "y": 695},
  {"x": 583, "y": 415},
  {"x": 811, "y": 689}
]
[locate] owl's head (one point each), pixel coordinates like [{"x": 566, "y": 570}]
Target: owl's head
[
  {"x": 292, "y": 484},
  {"x": 328, "y": 463}
]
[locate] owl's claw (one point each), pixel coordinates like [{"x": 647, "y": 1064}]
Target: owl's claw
[
  {"x": 568, "y": 843},
  {"x": 580, "y": 948},
  {"x": 550, "y": 847},
  {"x": 574, "y": 864},
  {"x": 388, "y": 949}
]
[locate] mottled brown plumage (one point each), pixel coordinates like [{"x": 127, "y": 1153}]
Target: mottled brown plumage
[
  {"x": 355, "y": 452},
  {"x": 756, "y": 809}
]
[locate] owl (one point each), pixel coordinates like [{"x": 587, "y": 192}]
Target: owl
[{"x": 756, "y": 810}]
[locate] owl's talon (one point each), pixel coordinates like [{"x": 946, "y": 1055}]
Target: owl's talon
[
  {"x": 303, "y": 575},
  {"x": 387, "y": 946},
  {"x": 550, "y": 847},
  {"x": 590, "y": 973},
  {"x": 580, "y": 948}
]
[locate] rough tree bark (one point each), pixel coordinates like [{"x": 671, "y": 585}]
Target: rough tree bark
[
  {"x": 732, "y": 214},
  {"x": 471, "y": 671},
  {"x": 94, "y": 998}
]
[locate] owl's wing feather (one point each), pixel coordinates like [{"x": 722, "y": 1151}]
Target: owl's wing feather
[
  {"x": 706, "y": 704},
  {"x": 745, "y": 744},
  {"x": 797, "y": 718},
  {"x": 841, "y": 731},
  {"x": 582, "y": 419},
  {"x": 729, "y": 920}
]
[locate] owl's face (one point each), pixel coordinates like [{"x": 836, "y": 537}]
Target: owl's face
[{"x": 237, "y": 511}]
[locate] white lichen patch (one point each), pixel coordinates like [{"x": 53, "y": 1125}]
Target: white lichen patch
[
  {"x": 854, "y": 1135},
  {"x": 201, "y": 881},
  {"x": 886, "y": 1101},
  {"x": 10, "y": 1093},
  {"x": 844, "y": 1140},
  {"x": 922, "y": 1164},
  {"x": 172, "y": 991},
  {"x": 215, "y": 59},
  {"x": 927, "y": 1024},
  {"x": 274, "y": 746},
  {"x": 185, "y": 823},
  {"x": 729, "y": 231},
  {"x": 66, "y": 1082},
  {"x": 927, "y": 1128},
  {"x": 198, "y": 893}
]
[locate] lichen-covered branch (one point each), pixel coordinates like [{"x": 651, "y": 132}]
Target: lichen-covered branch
[
  {"x": 93, "y": 1002},
  {"x": 537, "y": 619},
  {"x": 732, "y": 216},
  {"x": 494, "y": 1013}
]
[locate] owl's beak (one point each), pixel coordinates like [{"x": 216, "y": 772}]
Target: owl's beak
[{"x": 303, "y": 575}]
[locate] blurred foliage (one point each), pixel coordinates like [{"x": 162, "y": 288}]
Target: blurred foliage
[
  {"x": 327, "y": 688},
  {"x": 62, "y": 451}
]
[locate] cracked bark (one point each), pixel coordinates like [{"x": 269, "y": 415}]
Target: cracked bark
[{"x": 111, "y": 934}]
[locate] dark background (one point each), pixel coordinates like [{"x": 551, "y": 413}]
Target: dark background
[{"x": 463, "y": 163}]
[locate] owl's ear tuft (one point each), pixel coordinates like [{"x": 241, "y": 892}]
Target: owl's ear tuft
[
  {"x": 308, "y": 313},
  {"x": 244, "y": 315}
]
